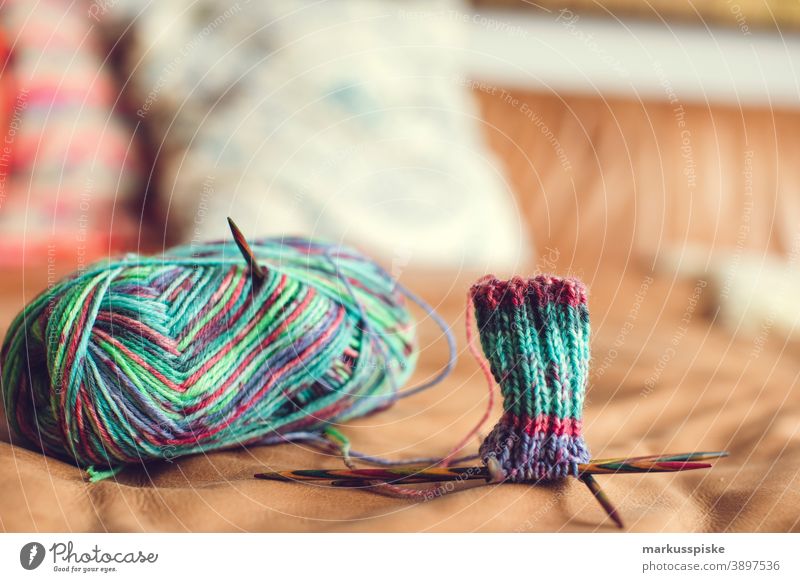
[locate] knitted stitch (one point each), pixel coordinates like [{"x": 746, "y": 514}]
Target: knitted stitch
[{"x": 535, "y": 334}]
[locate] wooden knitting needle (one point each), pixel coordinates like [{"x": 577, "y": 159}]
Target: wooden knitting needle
[
  {"x": 602, "y": 498},
  {"x": 647, "y": 464},
  {"x": 403, "y": 475},
  {"x": 408, "y": 475},
  {"x": 259, "y": 272}
]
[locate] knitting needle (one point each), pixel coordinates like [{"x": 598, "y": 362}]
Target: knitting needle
[
  {"x": 649, "y": 464},
  {"x": 606, "y": 503},
  {"x": 602, "y": 498},
  {"x": 259, "y": 272},
  {"x": 369, "y": 477},
  {"x": 454, "y": 474},
  {"x": 698, "y": 456}
]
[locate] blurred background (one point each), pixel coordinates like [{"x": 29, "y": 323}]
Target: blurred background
[
  {"x": 649, "y": 148},
  {"x": 433, "y": 133},
  {"x": 482, "y": 136}
]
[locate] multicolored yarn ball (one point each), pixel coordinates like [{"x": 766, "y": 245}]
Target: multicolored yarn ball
[
  {"x": 535, "y": 335},
  {"x": 150, "y": 358}
]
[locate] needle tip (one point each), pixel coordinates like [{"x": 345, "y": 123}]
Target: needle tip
[
  {"x": 259, "y": 272},
  {"x": 617, "y": 519},
  {"x": 603, "y": 499}
]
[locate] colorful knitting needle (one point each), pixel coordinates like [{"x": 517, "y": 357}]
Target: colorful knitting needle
[
  {"x": 699, "y": 456},
  {"x": 455, "y": 474},
  {"x": 605, "y": 501},
  {"x": 602, "y": 498},
  {"x": 647, "y": 464},
  {"x": 352, "y": 478},
  {"x": 259, "y": 272}
]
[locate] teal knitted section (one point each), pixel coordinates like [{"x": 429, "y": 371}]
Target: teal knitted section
[{"x": 535, "y": 335}]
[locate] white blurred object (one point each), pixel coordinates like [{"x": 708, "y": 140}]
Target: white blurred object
[
  {"x": 748, "y": 292},
  {"x": 346, "y": 120},
  {"x": 566, "y": 51}
]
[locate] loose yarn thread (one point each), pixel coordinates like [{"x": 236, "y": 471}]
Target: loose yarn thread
[{"x": 154, "y": 358}]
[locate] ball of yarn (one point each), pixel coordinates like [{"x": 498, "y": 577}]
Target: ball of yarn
[
  {"x": 149, "y": 358},
  {"x": 535, "y": 335}
]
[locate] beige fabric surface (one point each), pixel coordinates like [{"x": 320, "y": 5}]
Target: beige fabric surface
[{"x": 665, "y": 378}]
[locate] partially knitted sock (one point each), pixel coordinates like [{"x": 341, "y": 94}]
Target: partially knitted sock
[{"x": 535, "y": 334}]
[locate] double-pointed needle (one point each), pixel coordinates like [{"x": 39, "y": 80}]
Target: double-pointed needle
[{"x": 586, "y": 471}]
